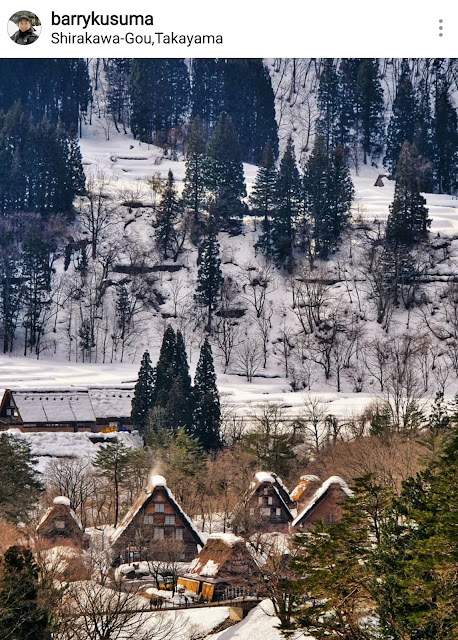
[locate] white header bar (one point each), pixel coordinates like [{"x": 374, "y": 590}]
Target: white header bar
[{"x": 206, "y": 28}]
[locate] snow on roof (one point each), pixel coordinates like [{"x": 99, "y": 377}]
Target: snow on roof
[
  {"x": 155, "y": 481},
  {"x": 229, "y": 538},
  {"x": 63, "y": 405},
  {"x": 263, "y": 476},
  {"x": 210, "y": 569},
  {"x": 111, "y": 402},
  {"x": 273, "y": 479},
  {"x": 60, "y": 500},
  {"x": 303, "y": 485},
  {"x": 319, "y": 493}
]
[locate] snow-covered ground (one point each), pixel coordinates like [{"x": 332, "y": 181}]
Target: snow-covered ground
[{"x": 260, "y": 624}]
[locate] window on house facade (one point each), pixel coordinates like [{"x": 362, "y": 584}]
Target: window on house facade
[
  {"x": 148, "y": 520},
  {"x": 159, "y": 507},
  {"x": 265, "y": 511},
  {"x": 169, "y": 519},
  {"x": 260, "y": 500},
  {"x": 158, "y": 533},
  {"x": 269, "y": 500},
  {"x": 179, "y": 534},
  {"x": 330, "y": 518},
  {"x": 59, "y": 524},
  {"x": 266, "y": 492},
  {"x": 278, "y": 511},
  {"x": 251, "y": 512}
]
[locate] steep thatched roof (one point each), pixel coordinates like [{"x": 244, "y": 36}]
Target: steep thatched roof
[
  {"x": 215, "y": 557},
  {"x": 155, "y": 483},
  {"x": 319, "y": 495}
]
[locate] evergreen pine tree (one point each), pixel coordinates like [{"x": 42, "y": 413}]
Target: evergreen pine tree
[
  {"x": 19, "y": 482},
  {"x": 160, "y": 94},
  {"x": 181, "y": 366},
  {"x": 143, "y": 398},
  {"x": 288, "y": 198},
  {"x": 370, "y": 107},
  {"x": 445, "y": 141},
  {"x": 328, "y": 193},
  {"x": 141, "y": 98},
  {"x": 329, "y": 104},
  {"x": 340, "y": 197},
  {"x": 249, "y": 100},
  {"x": 403, "y": 122},
  {"x": 23, "y": 614},
  {"x": 36, "y": 272},
  {"x": 208, "y": 76},
  {"x": 262, "y": 198},
  {"x": 415, "y": 572},
  {"x": 207, "y": 411},
  {"x": 224, "y": 175},
  {"x": 165, "y": 368},
  {"x": 118, "y": 91},
  {"x": 423, "y": 134},
  {"x": 111, "y": 462},
  {"x": 168, "y": 211},
  {"x": 408, "y": 220},
  {"x": 348, "y": 116},
  {"x": 438, "y": 426},
  {"x": 209, "y": 276},
  {"x": 193, "y": 196},
  {"x": 180, "y": 400},
  {"x": 334, "y": 567}
]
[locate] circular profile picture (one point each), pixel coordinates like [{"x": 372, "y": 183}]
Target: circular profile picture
[{"x": 24, "y": 27}]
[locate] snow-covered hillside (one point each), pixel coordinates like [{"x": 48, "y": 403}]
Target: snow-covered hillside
[{"x": 124, "y": 165}]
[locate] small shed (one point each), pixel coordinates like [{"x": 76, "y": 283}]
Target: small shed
[
  {"x": 60, "y": 525},
  {"x": 325, "y": 504},
  {"x": 225, "y": 569},
  {"x": 154, "y": 527}
]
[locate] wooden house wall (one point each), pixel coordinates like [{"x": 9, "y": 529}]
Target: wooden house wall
[
  {"x": 266, "y": 498},
  {"x": 148, "y": 511},
  {"x": 50, "y": 531},
  {"x": 328, "y": 510}
]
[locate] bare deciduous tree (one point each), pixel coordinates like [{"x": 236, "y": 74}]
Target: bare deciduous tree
[
  {"x": 97, "y": 208},
  {"x": 249, "y": 358},
  {"x": 104, "y": 611},
  {"x": 73, "y": 478},
  {"x": 258, "y": 282}
]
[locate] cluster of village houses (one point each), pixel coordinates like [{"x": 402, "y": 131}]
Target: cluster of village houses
[
  {"x": 156, "y": 523},
  {"x": 216, "y": 566}
]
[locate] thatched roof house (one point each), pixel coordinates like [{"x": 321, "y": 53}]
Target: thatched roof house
[
  {"x": 47, "y": 410},
  {"x": 268, "y": 507},
  {"x": 304, "y": 490},
  {"x": 155, "y": 526},
  {"x": 71, "y": 410},
  {"x": 224, "y": 569},
  {"x": 325, "y": 504},
  {"x": 112, "y": 406},
  {"x": 60, "y": 525}
]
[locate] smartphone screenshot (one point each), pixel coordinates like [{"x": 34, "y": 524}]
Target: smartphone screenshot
[{"x": 228, "y": 321}]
